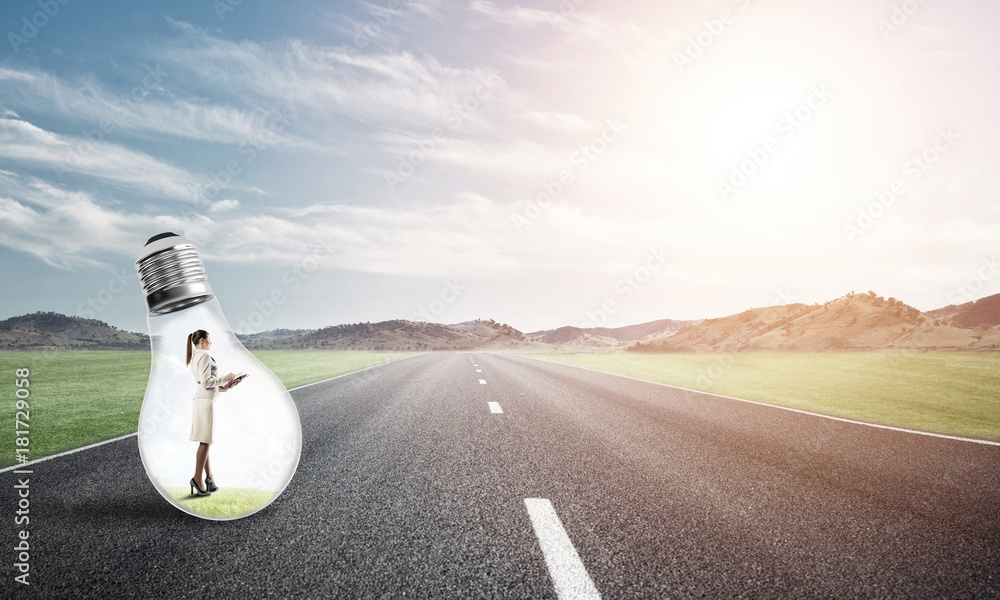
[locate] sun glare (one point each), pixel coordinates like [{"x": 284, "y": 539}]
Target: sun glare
[{"x": 743, "y": 123}]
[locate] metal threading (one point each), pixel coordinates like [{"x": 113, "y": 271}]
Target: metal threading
[{"x": 173, "y": 278}]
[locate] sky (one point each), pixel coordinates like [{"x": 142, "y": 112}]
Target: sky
[{"x": 544, "y": 163}]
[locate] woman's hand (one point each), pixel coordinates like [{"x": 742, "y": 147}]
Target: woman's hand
[{"x": 230, "y": 376}]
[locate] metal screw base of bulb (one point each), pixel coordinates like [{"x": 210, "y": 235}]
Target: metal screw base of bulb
[{"x": 172, "y": 274}]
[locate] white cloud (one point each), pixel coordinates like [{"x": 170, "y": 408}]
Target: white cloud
[
  {"x": 416, "y": 242},
  {"x": 68, "y": 229},
  {"x": 17, "y": 75},
  {"x": 394, "y": 89},
  {"x": 224, "y": 206},
  {"x": 558, "y": 121},
  {"x": 577, "y": 36},
  {"x": 22, "y": 142},
  {"x": 517, "y": 15},
  {"x": 147, "y": 107}
]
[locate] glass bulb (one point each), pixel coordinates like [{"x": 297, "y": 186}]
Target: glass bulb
[{"x": 256, "y": 435}]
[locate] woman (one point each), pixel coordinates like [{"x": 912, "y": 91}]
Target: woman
[{"x": 209, "y": 384}]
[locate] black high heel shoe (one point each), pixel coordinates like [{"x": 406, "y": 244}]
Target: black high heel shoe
[
  {"x": 210, "y": 484},
  {"x": 194, "y": 486}
]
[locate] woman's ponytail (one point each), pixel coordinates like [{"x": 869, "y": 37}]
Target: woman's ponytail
[{"x": 193, "y": 340}]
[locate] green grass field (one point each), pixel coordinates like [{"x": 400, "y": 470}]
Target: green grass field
[
  {"x": 955, "y": 393},
  {"x": 226, "y": 503},
  {"x": 298, "y": 367},
  {"x": 72, "y": 403}
]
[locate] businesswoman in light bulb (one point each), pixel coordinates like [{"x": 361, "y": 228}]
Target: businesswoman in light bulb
[{"x": 209, "y": 385}]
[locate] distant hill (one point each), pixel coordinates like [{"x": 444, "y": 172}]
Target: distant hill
[
  {"x": 272, "y": 338},
  {"x": 48, "y": 330},
  {"x": 54, "y": 331},
  {"x": 852, "y": 321},
  {"x": 395, "y": 335},
  {"x": 576, "y": 336},
  {"x": 982, "y": 313},
  {"x": 609, "y": 336}
]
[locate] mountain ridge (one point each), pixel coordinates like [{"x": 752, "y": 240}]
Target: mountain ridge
[
  {"x": 852, "y": 321},
  {"x": 51, "y": 330},
  {"x": 399, "y": 335},
  {"x": 982, "y": 313},
  {"x": 609, "y": 336}
]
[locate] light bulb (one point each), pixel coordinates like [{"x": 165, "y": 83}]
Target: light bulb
[{"x": 256, "y": 436}]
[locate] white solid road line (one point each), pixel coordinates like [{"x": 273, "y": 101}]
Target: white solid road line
[
  {"x": 798, "y": 410},
  {"x": 73, "y": 451},
  {"x": 569, "y": 576},
  {"x": 482, "y": 381},
  {"x": 135, "y": 433},
  {"x": 495, "y": 407}
]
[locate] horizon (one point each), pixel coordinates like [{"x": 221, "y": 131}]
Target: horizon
[
  {"x": 575, "y": 162},
  {"x": 247, "y": 331}
]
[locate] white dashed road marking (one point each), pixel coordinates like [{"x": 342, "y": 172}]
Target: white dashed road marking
[
  {"x": 495, "y": 407},
  {"x": 482, "y": 381},
  {"x": 569, "y": 576}
]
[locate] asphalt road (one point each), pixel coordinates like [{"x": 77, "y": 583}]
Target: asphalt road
[{"x": 410, "y": 486}]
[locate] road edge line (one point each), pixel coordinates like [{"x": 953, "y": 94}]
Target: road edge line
[
  {"x": 798, "y": 410},
  {"x": 135, "y": 433}
]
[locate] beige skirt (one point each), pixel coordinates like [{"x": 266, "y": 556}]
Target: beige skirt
[{"x": 201, "y": 421}]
